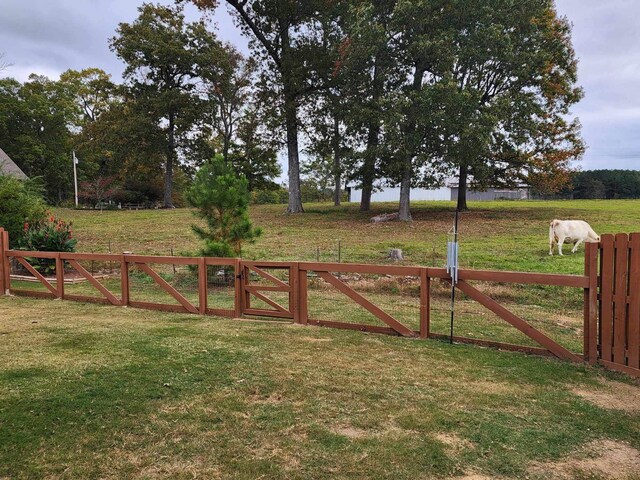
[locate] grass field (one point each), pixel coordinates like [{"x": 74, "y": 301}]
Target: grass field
[
  {"x": 502, "y": 235},
  {"x": 91, "y": 391}
]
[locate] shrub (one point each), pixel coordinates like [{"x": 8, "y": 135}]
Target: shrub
[
  {"x": 265, "y": 197},
  {"x": 49, "y": 235},
  {"x": 20, "y": 202}
]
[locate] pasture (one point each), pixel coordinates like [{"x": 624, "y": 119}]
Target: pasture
[
  {"x": 501, "y": 235},
  {"x": 94, "y": 391}
]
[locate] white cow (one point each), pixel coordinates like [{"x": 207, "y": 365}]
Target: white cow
[{"x": 576, "y": 231}]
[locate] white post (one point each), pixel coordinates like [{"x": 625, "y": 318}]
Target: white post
[{"x": 75, "y": 176}]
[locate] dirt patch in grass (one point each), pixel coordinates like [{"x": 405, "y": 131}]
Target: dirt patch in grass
[
  {"x": 350, "y": 432},
  {"x": 454, "y": 442},
  {"x": 602, "y": 458},
  {"x": 613, "y": 396}
]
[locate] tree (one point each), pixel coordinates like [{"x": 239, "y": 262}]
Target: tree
[
  {"x": 284, "y": 39},
  {"x": 94, "y": 94},
  {"x": 92, "y": 90},
  {"x": 509, "y": 74},
  {"x": 221, "y": 198},
  {"x": 98, "y": 190},
  {"x": 253, "y": 155},
  {"x": 228, "y": 91},
  {"x": 607, "y": 184},
  {"x": 21, "y": 204},
  {"x": 367, "y": 71},
  {"x": 163, "y": 54},
  {"x": 125, "y": 143},
  {"x": 35, "y": 122}
]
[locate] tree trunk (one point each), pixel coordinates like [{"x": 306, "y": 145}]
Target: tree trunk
[
  {"x": 405, "y": 192},
  {"x": 168, "y": 171},
  {"x": 226, "y": 142},
  {"x": 337, "y": 177},
  {"x": 407, "y": 166},
  {"x": 291, "y": 120},
  {"x": 462, "y": 189},
  {"x": 371, "y": 154},
  {"x": 369, "y": 167}
]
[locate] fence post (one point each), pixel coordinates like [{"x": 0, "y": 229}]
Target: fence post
[
  {"x": 202, "y": 286},
  {"x": 303, "y": 303},
  {"x": 425, "y": 299},
  {"x": 591, "y": 303},
  {"x": 59, "y": 277},
  {"x": 2, "y": 265},
  {"x": 5, "y": 266},
  {"x": 294, "y": 292},
  {"x": 124, "y": 280}
]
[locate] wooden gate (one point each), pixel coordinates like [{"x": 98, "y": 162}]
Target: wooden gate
[
  {"x": 619, "y": 303},
  {"x": 275, "y": 290}
]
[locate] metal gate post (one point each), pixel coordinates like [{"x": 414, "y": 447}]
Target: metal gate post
[{"x": 239, "y": 288}]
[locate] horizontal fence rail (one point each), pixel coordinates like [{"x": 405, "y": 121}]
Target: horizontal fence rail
[{"x": 290, "y": 291}]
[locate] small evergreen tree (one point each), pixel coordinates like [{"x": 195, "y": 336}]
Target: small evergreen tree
[{"x": 222, "y": 200}]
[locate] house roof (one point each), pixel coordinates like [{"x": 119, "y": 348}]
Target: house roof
[{"x": 8, "y": 167}]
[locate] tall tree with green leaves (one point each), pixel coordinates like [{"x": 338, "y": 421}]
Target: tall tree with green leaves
[
  {"x": 94, "y": 95},
  {"x": 92, "y": 90},
  {"x": 35, "y": 120},
  {"x": 285, "y": 40},
  {"x": 253, "y": 152},
  {"x": 221, "y": 199},
  {"x": 228, "y": 90},
  {"x": 510, "y": 72},
  {"x": 369, "y": 74},
  {"x": 164, "y": 55}
]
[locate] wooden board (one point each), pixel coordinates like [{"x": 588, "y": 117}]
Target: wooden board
[
  {"x": 620, "y": 298},
  {"x": 607, "y": 256},
  {"x": 633, "y": 339}
]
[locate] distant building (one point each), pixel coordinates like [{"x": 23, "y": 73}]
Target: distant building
[
  {"x": 9, "y": 168},
  {"x": 392, "y": 194},
  {"x": 516, "y": 193},
  {"x": 450, "y": 192}
]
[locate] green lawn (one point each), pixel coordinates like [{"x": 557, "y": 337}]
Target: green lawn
[{"x": 91, "y": 391}]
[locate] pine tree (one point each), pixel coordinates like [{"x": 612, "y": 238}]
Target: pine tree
[{"x": 221, "y": 198}]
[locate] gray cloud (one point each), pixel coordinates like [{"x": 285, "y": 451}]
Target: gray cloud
[
  {"x": 607, "y": 41},
  {"x": 50, "y": 36}
]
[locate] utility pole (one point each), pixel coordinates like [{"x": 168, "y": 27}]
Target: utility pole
[{"x": 75, "y": 176}]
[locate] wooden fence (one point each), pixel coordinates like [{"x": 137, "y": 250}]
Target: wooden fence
[{"x": 610, "y": 285}]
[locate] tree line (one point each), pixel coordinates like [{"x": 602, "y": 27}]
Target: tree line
[
  {"x": 405, "y": 93},
  {"x": 603, "y": 184}
]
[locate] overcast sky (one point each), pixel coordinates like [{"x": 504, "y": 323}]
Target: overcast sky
[{"x": 50, "y": 36}]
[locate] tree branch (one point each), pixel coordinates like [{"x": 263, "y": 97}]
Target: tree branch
[{"x": 239, "y": 6}]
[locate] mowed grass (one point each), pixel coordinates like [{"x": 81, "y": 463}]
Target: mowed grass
[
  {"x": 501, "y": 235},
  {"x": 89, "y": 391}
]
